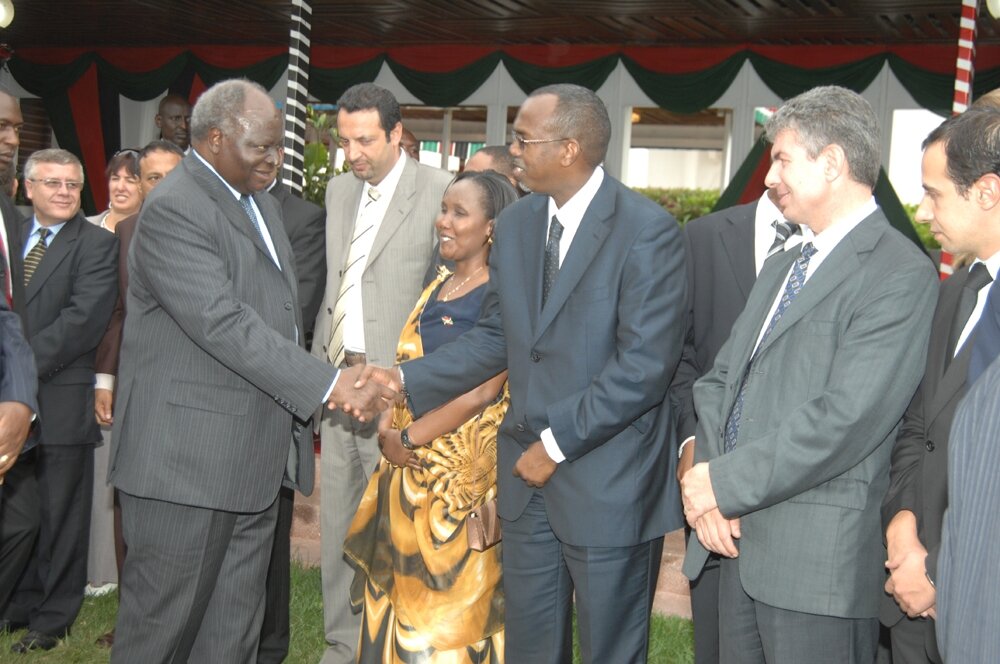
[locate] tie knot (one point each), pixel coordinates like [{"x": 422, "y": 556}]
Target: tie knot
[
  {"x": 808, "y": 249},
  {"x": 555, "y": 229},
  {"x": 373, "y": 193},
  {"x": 43, "y": 233},
  {"x": 979, "y": 276},
  {"x": 784, "y": 230}
]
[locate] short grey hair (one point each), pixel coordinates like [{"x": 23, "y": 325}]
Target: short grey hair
[
  {"x": 51, "y": 156},
  {"x": 221, "y": 106},
  {"x": 581, "y": 115},
  {"x": 832, "y": 115}
]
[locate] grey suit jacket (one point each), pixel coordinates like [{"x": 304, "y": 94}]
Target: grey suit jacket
[
  {"x": 919, "y": 472},
  {"x": 404, "y": 246},
  {"x": 212, "y": 379},
  {"x": 828, "y": 388},
  {"x": 968, "y": 568},
  {"x": 593, "y": 365},
  {"x": 720, "y": 270},
  {"x": 67, "y": 306}
]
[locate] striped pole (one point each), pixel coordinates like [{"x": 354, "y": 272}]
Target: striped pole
[
  {"x": 297, "y": 95},
  {"x": 963, "y": 84}
]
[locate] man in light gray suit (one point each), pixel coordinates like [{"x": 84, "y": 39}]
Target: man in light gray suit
[
  {"x": 380, "y": 239},
  {"x": 585, "y": 308},
  {"x": 213, "y": 392},
  {"x": 797, "y": 417}
]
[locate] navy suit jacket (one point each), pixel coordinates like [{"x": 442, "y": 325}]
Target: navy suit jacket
[{"x": 593, "y": 365}]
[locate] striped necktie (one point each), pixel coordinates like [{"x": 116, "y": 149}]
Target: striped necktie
[
  {"x": 782, "y": 231},
  {"x": 35, "y": 256},
  {"x": 356, "y": 261}
]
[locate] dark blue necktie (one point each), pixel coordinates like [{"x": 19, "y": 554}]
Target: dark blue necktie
[
  {"x": 986, "y": 335},
  {"x": 248, "y": 208},
  {"x": 551, "y": 266},
  {"x": 796, "y": 280}
]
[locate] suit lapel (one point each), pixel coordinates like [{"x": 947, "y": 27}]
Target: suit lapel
[
  {"x": 57, "y": 251},
  {"x": 532, "y": 229},
  {"x": 349, "y": 214},
  {"x": 842, "y": 262},
  {"x": 399, "y": 207},
  {"x": 594, "y": 227},
  {"x": 951, "y": 375},
  {"x": 271, "y": 213},
  {"x": 734, "y": 240}
]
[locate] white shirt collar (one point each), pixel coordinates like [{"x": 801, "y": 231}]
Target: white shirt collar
[
  {"x": 387, "y": 187},
  {"x": 572, "y": 211},
  {"x": 838, "y": 230},
  {"x": 237, "y": 195}
]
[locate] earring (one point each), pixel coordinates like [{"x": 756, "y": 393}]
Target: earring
[{"x": 489, "y": 239}]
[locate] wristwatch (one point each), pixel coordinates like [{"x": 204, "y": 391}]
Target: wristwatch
[{"x": 404, "y": 438}]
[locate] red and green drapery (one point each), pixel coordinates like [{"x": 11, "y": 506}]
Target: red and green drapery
[{"x": 80, "y": 86}]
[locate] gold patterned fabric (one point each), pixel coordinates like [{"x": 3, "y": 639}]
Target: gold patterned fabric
[{"x": 426, "y": 596}]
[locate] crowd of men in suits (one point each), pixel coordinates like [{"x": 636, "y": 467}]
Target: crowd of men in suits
[{"x": 826, "y": 409}]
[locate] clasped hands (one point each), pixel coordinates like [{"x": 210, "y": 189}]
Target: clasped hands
[
  {"x": 715, "y": 532},
  {"x": 365, "y": 390}
]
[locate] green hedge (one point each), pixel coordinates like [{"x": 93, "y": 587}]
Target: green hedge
[{"x": 688, "y": 204}]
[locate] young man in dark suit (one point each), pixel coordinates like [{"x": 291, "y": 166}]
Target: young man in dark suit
[{"x": 961, "y": 204}]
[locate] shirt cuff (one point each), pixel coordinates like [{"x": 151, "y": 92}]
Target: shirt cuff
[
  {"x": 551, "y": 448},
  {"x": 104, "y": 382},
  {"x": 332, "y": 385},
  {"x": 680, "y": 450}
]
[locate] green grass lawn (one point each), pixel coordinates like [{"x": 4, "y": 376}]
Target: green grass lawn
[{"x": 670, "y": 640}]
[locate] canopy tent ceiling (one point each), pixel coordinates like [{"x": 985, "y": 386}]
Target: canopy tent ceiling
[{"x": 394, "y": 23}]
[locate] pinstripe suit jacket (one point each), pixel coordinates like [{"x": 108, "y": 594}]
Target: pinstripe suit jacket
[
  {"x": 211, "y": 376},
  {"x": 968, "y": 606},
  {"x": 18, "y": 379},
  {"x": 403, "y": 248}
]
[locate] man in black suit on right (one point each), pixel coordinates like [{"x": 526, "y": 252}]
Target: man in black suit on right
[
  {"x": 961, "y": 204},
  {"x": 725, "y": 252},
  {"x": 11, "y": 277}
]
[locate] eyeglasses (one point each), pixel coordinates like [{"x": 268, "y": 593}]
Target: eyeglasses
[
  {"x": 55, "y": 185},
  {"x": 522, "y": 141}
]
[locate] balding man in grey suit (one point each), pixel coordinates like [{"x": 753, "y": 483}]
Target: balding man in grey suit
[
  {"x": 797, "y": 417},
  {"x": 213, "y": 392},
  {"x": 380, "y": 239}
]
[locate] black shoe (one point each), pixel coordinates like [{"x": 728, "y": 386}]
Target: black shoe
[
  {"x": 34, "y": 641},
  {"x": 7, "y": 625}
]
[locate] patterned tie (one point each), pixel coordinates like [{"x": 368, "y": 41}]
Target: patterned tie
[
  {"x": 248, "y": 208},
  {"x": 796, "y": 280},
  {"x": 551, "y": 267},
  {"x": 34, "y": 256},
  {"x": 986, "y": 336},
  {"x": 351, "y": 278},
  {"x": 782, "y": 231},
  {"x": 979, "y": 277}
]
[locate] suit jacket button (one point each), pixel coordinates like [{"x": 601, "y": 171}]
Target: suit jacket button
[
  {"x": 329, "y": 310},
  {"x": 929, "y": 445},
  {"x": 535, "y": 357},
  {"x": 520, "y": 427},
  {"x": 288, "y": 306}
]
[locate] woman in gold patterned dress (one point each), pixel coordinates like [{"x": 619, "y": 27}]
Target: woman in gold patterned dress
[{"x": 426, "y": 596}]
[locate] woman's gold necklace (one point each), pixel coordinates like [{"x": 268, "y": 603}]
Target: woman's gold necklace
[{"x": 452, "y": 291}]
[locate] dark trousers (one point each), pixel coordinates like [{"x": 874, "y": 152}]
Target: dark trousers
[
  {"x": 751, "y": 631},
  {"x": 705, "y": 613},
  {"x": 614, "y": 589},
  {"x": 274, "y": 632},
  {"x": 50, "y": 593},
  {"x": 20, "y": 518},
  {"x": 192, "y": 589},
  {"x": 914, "y": 642}
]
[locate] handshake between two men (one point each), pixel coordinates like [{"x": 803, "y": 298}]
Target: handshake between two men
[{"x": 365, "y": 390}]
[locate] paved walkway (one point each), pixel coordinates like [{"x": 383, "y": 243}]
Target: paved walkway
[{"x": 672, "y": 597}]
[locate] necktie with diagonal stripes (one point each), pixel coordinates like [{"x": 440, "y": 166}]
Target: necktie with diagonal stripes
[
  {"x": 796, "y": 280},
  {"x": 34, "y": 256},
  {"x": 782, "y": 231},
  {"x": 356, "y": 261}
]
